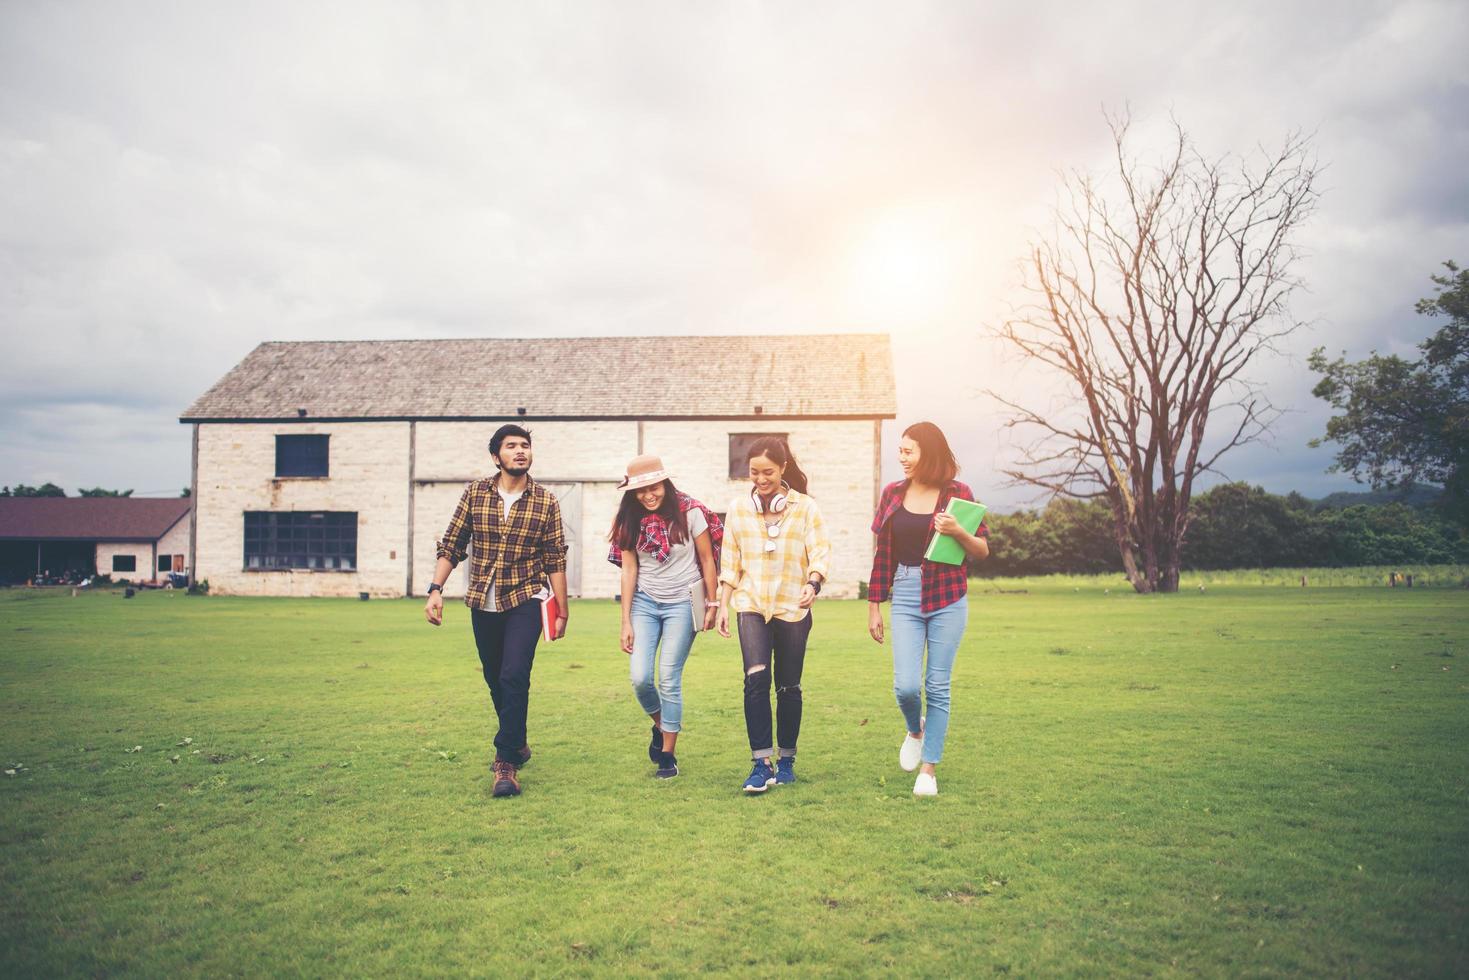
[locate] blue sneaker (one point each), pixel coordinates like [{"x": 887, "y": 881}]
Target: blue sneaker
[
  {"x": 785, "y": 770},
  {"x": 762, "y": 777}
]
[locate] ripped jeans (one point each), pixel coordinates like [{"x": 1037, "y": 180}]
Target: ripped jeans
[{"x": 778, "y": 648}]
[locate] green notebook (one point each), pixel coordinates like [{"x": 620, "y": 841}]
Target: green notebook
[{"x": 944, "y": 549}]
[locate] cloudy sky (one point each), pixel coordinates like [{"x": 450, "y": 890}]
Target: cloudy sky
[{"x": 180, "y": 181}]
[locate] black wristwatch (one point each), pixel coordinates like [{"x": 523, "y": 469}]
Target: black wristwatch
[
  {"x": 434, "y": 587},
  {"x": 815, "y": 584}
]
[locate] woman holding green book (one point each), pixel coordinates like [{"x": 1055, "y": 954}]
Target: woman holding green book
[{"x": 927, "y": 586}]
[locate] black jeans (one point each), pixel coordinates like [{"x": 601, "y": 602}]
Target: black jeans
[
  {"x": 777, "y": 647},
  {"x": 507, "y": 650}
]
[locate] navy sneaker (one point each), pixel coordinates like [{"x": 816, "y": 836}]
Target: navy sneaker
[
  {"x": 762, "y": 777},
  {"x": 785, "y": 770},
  {"x": 655, "y": 747},
  {"x": 667, "y": 766}
]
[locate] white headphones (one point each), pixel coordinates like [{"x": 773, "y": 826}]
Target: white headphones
[{"x": 777, "y": 502}]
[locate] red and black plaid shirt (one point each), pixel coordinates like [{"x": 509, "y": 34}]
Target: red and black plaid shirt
[{"x": 942, "y": 584}]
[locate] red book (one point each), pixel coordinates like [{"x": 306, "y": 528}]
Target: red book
[{"x": 550, "y": 612}]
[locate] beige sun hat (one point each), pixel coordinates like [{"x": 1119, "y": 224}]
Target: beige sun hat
[{"x": 644, "y": 471}]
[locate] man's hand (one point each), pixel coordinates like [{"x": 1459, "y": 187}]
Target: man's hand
[
  {"x": 711, "y": 613},
  {"x": 560, "y": 626},
  {"x": 808, "y": 596},
  {"x": 627, "y": 638},
  {"x": 433, "y": 610},
  {"x": 874, "y": 621}
]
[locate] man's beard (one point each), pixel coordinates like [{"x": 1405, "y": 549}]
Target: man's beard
[{"x": 515, "y": 471}]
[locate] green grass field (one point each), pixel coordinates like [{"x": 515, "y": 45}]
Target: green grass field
[{"x": 1257, "y": 781}]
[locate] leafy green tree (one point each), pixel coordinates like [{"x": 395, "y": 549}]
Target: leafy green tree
[
  {"x": 1235, "y": 525},
  {"x": 1068, "y": 536},
  {"x": 100, "y": 492},
  {"x": 44, "y": 490},
  {"x": 1404, "y": 421}
]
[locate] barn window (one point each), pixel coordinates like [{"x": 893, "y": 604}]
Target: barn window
[
  {"x": 165, "y": 563},
  {"x": 124, "y": 563},
  {"x": 323, "y": 540},
  {"x": 739, "y": 445},
  {"x": 301, "y": 455}
]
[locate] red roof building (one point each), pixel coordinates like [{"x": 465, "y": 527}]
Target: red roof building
[{"x": 137, "y": 539}]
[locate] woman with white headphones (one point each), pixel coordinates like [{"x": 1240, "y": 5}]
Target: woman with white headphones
[{"x": 776, "y": 555}]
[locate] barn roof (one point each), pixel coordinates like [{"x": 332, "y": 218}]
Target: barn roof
[
  {"x": 831, "y": 375},
  {"x": 90, "y": 518}
]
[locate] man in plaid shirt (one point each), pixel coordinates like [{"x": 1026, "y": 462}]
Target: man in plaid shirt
[{"x": 514, "y": 526}]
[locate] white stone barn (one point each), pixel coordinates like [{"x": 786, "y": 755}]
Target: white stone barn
[{"x": 332, "y": 468}]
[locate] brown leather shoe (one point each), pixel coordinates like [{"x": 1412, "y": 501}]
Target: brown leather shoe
[
  {"x": 506, "y": 782},
  {"x": 524, "y": 756}
]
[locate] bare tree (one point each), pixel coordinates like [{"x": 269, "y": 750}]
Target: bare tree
[{"x": 1151, "y": 296}]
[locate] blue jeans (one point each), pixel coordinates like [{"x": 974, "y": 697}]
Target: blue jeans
[
  {"x": 672, "y": 624},
  {"x": 912, "y": 630}
]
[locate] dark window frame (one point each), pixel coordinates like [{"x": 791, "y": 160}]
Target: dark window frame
[
  {"x": 131, "y": 560},
  {"x": 302, "y": 456},
  {"x": 739, "y": 444},
  {"x": 165, "y": 563},
  {"x": 300, "y": 540}
]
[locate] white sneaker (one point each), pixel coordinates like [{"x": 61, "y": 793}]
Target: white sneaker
[
  {"x": 925, "y": 785},
  {"x": 910, "y": 753}
]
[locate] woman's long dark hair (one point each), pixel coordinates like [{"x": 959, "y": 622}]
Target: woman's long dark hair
[
  {"x": 628, "y": 525},
  {"x": 775, "y": 449},
  {"x": 936, "y": 462}
]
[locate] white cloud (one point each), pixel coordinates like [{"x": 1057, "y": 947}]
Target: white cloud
[{"x": 181, "y": 181}]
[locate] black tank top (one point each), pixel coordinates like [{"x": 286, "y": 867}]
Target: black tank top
[{"x": 910, "y": 536}]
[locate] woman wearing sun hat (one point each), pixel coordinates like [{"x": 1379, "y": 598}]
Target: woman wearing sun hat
[{"x": 667, "y": 544}]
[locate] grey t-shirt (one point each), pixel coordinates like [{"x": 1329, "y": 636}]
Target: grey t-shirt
[{"x": 670, "y": 581}]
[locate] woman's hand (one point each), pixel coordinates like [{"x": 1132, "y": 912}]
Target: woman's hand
[
  {"x": 711, "y": 613},
  {"x": 808, "y": 596},
  {"x": 627, "y": 637},
  {"x": 721, "y": 622},
  {"x": 874, "y": 621},
  {"x": 944, "y": 523}
]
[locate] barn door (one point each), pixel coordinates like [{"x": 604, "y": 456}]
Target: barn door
[{"x": 569, "y": 496}]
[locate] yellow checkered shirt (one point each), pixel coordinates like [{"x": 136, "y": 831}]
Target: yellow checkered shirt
[{"x": 770, "y": 582}]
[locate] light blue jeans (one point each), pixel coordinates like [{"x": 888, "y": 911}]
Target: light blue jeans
[
  {"x": 672, "y": 625},
  {"x": 913, "y": 629}
]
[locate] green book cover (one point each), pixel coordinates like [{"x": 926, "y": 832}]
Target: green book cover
[{"x": 944, "y": 549}]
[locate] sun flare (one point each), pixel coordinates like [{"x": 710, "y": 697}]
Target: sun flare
[{"x": 902, "y": 270}]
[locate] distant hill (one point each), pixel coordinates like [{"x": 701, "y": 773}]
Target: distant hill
[{"x": 1417, "y": 495}]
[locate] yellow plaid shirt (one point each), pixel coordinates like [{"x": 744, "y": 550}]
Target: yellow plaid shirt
[
  {"x": 770, "y": 582},
  {"x": 515, "y": 553}
]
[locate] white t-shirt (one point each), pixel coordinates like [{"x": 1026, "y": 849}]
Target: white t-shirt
[
  {"x": 669, "y": 581},
  {"x": 491, "y": 605}
]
